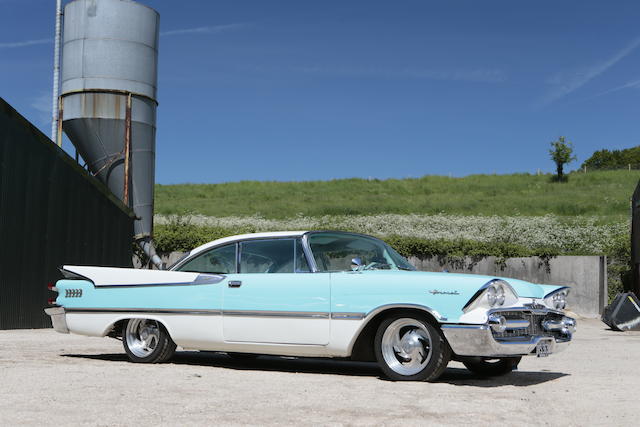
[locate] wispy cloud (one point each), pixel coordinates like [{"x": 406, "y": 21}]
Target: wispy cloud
[
  {"x": 631, "y": 85},
  {"x": 212, "y": 29},
  {"x": 485, "y": 75},
  {"x": 568, "y": 82},
  {"x": 24, "y": 43}
]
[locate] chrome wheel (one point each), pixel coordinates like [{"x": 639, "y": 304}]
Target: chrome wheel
[
  {"x": 143, "y": 336},
  {"x": 406, "y": 346}
]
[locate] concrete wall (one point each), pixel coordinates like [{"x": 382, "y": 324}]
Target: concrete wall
[{"x": 586, "y": 275}]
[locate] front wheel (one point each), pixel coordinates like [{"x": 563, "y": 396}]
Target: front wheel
[
  {"x": 408, "y": 348},
  {"x": 147, "y": 341},
  {"x": 492, "y": 367}
]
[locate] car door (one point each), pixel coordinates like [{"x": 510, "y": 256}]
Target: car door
[
  {"x": 274, "y": 298},
  {"x": 207, "y": 327}
]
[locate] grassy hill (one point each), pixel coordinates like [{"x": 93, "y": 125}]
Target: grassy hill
[{"x": 605, "y": 194}]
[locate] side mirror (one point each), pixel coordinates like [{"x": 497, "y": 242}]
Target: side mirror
[{"x": 356, "y": 263}]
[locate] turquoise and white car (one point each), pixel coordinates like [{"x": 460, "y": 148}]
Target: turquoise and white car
[{"x": 315, "y": 294}]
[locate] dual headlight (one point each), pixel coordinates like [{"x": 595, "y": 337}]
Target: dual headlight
[
  {"x": 494, "y": 294},
  {"x": 557, "y": 299}
]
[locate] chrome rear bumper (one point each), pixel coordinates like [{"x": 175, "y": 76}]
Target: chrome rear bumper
[
  {"x": 478, "y": 340},
  {"x": 58, "y": 319}
]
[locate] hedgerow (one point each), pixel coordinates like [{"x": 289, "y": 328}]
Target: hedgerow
[{"x": 441, "y": 236}]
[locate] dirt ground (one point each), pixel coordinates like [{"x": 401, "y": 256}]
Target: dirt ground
[{"x": 55, "y": 379}]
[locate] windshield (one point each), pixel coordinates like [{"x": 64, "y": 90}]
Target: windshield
[{"x": 334, "y": 252}]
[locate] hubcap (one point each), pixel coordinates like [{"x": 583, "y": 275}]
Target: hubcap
[
  {"x": 406, "y": 346},
  {"x": 142, "y": 336}
]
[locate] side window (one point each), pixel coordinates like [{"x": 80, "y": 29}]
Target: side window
[
  {"x": 267, "y": 256},
  {"x": 218, "y": 260}
]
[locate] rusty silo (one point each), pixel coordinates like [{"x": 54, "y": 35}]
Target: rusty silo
[{"x": 108, "y": 99}]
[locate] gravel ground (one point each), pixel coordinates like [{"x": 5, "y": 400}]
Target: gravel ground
[{"x": 50, "y": 378}]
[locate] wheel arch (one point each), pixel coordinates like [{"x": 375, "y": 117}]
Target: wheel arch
[
  {"x": 361, "y": 347},
  {"x": 115, "y": 328}
]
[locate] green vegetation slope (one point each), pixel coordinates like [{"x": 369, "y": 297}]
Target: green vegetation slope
[{"x": 605, "y": 194}]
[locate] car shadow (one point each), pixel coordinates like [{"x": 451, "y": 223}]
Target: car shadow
[
  {"x": 464, "y": 377},
  {"x": 452, "y": 375},
  {"x": 260, "y": 363}
]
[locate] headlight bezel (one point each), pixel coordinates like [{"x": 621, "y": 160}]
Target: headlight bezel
[
  {"x": 493, "y": 294},
  {"x": 557, "y": 299}
]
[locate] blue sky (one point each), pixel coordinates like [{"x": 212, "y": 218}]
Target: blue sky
[{"x": 305, "y": 90}]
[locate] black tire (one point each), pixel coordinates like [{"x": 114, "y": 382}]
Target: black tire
[
  {"x": 429, "y": 352},
  {"x": 243, "y": 356},
  {"x": 491, "y": 367},
  {"x": 161, "y": 349}
]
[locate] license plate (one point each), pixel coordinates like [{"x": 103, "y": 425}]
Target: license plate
[{"x": 543, "y": 349}]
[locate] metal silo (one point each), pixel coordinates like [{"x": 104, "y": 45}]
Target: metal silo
[{"x": 108, "y": 99}]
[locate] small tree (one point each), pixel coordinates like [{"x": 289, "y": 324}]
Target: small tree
[{"x": 561, "y": 153}]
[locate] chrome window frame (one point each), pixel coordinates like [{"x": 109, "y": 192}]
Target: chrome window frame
[
  {"x": 295, "y": 256},
  {"x": 309, "y": 252},
  {"x": 187, "y": 258},
  {"x": 268, "y": 239},
  {"x": 304, "y": 238},
  {"x": 311, "y": 261}
]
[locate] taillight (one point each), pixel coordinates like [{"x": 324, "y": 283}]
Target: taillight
[{"x": 52, "y": 287}]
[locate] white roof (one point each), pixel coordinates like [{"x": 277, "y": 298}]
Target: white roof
[{"x": 230, "y": 239}]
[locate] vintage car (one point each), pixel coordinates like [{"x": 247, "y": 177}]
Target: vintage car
[{"x": 316, "y": 294}]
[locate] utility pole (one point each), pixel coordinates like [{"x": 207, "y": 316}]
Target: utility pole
[{"x": 55, "y": 136}]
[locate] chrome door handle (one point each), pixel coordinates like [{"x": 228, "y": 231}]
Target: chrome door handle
[{"x": 235, "y": 283}]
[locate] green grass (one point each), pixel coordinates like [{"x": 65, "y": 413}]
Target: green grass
[{"x": 605, "y": 194}]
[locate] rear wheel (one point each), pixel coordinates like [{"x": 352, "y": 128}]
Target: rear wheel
[
  {"x": 408, "y": 348},
  {"x": 147, "y": 341},
  {"x": 491, "y": 367}
]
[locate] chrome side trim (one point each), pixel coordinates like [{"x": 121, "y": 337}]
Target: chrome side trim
[
  {"x": 144, "y": 310},
  {"x": 202, "y": 279},
  {"x": 234, "y": 313},
  {"x": 460, "y": 326},
  {"x": 429, "y": 310},
  {"x": 347, "y": 316},
  {"x": 284, "y": 314}
]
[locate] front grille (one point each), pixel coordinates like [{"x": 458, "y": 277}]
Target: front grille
[{"x": 535, "y": 325}]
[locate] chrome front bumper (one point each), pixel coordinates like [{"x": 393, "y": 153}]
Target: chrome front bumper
[
  {"x": 58, "y": 319},
  {"x": 478, "y": 340}
]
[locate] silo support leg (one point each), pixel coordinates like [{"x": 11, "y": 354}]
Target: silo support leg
[{"x": 127, "y": 151}]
